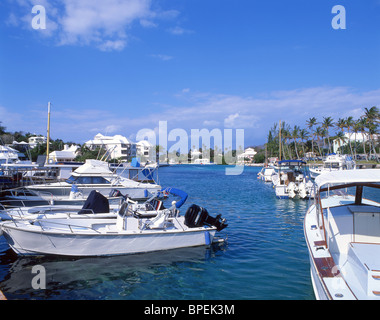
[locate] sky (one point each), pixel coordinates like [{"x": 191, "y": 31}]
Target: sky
[{"x": 119, "y": 66}]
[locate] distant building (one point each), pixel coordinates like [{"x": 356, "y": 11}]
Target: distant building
[
  {"x": 35, "y": 140},
  {"x": 117, "y": 147},
  {"x": 146, "y": 151},
  {"x": 247, "y": 155},
  {"x": 68, "y": 154},
  {"x": 359, "y": 137}
]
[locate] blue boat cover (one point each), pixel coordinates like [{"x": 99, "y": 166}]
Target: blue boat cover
[
  {"x": 135, "y": 162},
  {"x": 177, "y": 192},
  {"x": 149, "y": 173}
]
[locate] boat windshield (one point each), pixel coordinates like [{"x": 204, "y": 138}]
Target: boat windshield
[
  {"x": 333, "y": 165},
  {"x": 370, "y": 194},
  {"x": 87, "y": 180}
]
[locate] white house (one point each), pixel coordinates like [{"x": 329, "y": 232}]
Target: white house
[
  {"x": 248, "y": 153},
  {"x": 66, "y": 155},
  {"x": 359, "y": 137},
  {"x": 146, "y": 151},
  {"x": 33, "y": 141},
  {"x": 117, "y": 147}
]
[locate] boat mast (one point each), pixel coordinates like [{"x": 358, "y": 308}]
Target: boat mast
[
  {"x": 279, "y": 142},
  {"x": 48, "y": 134}
]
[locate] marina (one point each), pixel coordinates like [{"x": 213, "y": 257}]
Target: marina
[
  {"x": 265, "y": 248},
  {"x": 189, "y": 150}
]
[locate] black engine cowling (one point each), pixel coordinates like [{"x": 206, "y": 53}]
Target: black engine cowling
[{"x": 197, "y": 216}]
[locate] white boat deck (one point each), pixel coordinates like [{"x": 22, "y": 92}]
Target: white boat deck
[{"x": 354, "y": 243}]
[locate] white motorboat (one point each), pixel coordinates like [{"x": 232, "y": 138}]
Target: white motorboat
[
  {"x": 333, "y": 162},
  {"x": 96, "y": 206},
  {"x": 292, "y": 180},
  {"x": 342, "y": 232},
  {"x": 127, "y": 234},
  {"x": 202, "y": 161},
  {"x": 93, "y": 175},
  {"x": 266, "y": 174},
  {"x": 8, "y": 155}
]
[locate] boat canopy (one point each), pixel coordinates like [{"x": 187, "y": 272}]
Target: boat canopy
[
  {"x": 348, "y": 176},
  {"x": 93, "y": 167},
  {"x": 176, "y": 192}
]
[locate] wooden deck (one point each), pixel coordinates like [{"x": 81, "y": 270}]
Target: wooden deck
[{"x": 2, "y": 297}]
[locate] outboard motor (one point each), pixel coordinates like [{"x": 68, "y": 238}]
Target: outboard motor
[{"x": 197, "y": 216}]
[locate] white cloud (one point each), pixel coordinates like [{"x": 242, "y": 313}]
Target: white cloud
[
  {"x": 99, "y": 20},
  {"x": 229, "y": 122},
  {"x": 162, "y": 57},
  {"x": 105, "y": 24},
  {"x": 179, "y": 31},
  {"x": 256, "y": 115},
  {"x": 111, "y": 45}
]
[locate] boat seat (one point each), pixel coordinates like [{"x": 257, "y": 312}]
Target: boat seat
[
  {"x": 155, "y": 205},
  {"x": 364, "y": 261}
]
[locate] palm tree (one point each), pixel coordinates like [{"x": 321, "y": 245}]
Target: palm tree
[
  {"x": 319, "y": 134},
  {"x": 327, "y": 124},
  {"x": 295, "y": 136},
  {"x": 362, "y": 126},
  {"x": 341, "y": 124},
  {"x": 372, "y": 117},
  {"x": 350, "y": 124},
  {"x": 303, "y": 136},
  {"x": 356, "y": 129},
  {"x": 286, "y": 135},
  {"x": 310, "y": 124},
  {"x": 341, "y": 138}
]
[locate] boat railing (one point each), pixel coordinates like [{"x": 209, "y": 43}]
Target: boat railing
[
  {"x": 11, "y": 204},
  {"x": 72, "y": 227}
]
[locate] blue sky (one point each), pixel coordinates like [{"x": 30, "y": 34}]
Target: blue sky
[{"x": 118, "y": 66}]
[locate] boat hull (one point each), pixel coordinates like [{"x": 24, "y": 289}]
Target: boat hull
[{"x": 26, "y": 242}]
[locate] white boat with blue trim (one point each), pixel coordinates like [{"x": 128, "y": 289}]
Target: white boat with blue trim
[
  {"x": 333, "y": 162},
  {"x": 293, "y": 180},
  {"x": 342, "y": 232},
  {"x": 266, "y": 174},
  {"x": 94, "y": 175},
  {"x": 129, "y": 232}
]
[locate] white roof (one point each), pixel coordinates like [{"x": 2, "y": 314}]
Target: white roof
[
  {"x": 348, "y": 176},
  {"x": 144, "y": 143},
  {"x": 94, "y": 167}
]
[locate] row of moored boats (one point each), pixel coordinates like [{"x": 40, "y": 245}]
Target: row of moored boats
[
  {"x": 341, "y": 226},
  {"x": 97, "y": 212}
]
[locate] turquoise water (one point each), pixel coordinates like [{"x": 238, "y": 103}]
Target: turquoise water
[{"x": 265, "y": 256}]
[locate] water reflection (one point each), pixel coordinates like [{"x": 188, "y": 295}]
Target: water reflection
[{"x": 76, "y": 274}]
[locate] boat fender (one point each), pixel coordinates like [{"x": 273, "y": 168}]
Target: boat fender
[
  {"x": 207, "y": 238},
  {"x": 1, "y": 231}
]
